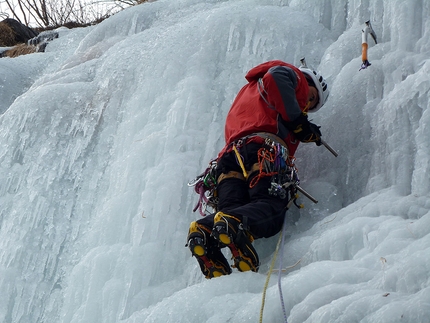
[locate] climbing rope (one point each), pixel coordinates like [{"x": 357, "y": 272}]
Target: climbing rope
[
  {"x": 280, "y": 270},
  {"x": 272, "y": 265}
]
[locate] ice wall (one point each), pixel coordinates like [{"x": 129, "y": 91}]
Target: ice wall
[{"x": 95, "y": 158}]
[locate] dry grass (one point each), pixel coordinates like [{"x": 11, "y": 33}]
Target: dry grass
[
  {"x": 19, "y": 50},
  {"x": 7, "y": 36}
]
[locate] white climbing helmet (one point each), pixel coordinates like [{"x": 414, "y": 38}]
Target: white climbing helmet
[{"x": 320, "y": 84}]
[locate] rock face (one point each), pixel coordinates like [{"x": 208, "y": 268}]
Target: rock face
[
  {"x": 21, "y": 32},
  {"x": 17, "y": 39},
  {"x": 43, "y": 38}
]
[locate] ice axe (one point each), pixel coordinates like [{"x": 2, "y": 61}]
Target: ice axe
[
  {"x": 313, "y": 199},
  {"x": 364, "y": 45},
  {"x": 326, "y": 145}
]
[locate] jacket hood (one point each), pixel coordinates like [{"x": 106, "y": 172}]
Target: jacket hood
[{"x": 258, "y": 71}]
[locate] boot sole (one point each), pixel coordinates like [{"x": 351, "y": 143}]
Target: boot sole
[
  {"x": 212, "y": 270},
  {"x": 198, "y": 251},
  {"x": 225, "y": 238},
  {"x": 241, "y": 261}
]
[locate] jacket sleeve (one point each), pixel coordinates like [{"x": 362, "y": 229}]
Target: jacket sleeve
[{"x": 280, "y": 85}]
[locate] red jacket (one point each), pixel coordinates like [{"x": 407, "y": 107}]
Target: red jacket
[{"x": 277, "y": 92}]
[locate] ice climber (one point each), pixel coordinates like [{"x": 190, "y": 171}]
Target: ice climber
[{"x": 268, "y": 115}]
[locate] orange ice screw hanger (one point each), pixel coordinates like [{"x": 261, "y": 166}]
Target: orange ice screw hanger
[{"x": 364, "y": 44}]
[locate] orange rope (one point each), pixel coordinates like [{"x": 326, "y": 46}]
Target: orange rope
[{"x": 263, "y": 155}]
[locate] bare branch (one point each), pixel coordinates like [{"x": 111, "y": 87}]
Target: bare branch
[{"x": 53, "y": 13}]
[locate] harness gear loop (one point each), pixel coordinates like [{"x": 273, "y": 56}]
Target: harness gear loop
[{"x": 231, "y": 174}]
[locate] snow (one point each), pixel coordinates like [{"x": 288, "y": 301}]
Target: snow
[{"x": 100, "y": 135}]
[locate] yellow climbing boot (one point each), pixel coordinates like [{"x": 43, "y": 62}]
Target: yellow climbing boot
[
  {"x": 209, "y": 257},
  {"x": 229, "y": 231}
]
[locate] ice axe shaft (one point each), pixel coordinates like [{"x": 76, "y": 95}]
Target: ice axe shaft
[
  {"x": 326, "y": 145},
  {"x": 301, "y": 190}
]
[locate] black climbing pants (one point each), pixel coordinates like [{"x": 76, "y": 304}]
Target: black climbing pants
[{"x": 264, "y": 212}]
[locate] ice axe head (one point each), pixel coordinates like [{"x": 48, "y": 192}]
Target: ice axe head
[{"x": 371, "y": 31}]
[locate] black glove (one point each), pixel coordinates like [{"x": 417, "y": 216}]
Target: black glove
[{"x": 304, "y": 130}]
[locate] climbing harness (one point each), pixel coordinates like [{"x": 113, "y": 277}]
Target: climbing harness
[
  {"x": 364, "y": 44},
  {"x": 273, "y": 161}
]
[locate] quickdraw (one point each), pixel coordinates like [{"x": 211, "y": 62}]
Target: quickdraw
[{"x": 205, "y": 186}]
